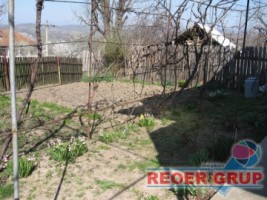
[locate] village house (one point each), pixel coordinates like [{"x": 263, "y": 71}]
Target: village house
[{"x": 24, "y": 46}]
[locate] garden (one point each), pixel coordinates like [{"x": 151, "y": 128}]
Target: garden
[{"x": 57, "y": 159}]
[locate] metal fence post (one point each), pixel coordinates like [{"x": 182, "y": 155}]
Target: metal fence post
[{"x": 13, "y": 97}]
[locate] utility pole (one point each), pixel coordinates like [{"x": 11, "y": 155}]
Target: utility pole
[
  {"x": 47, "y": 26},
  {"x": 13, "y": 97}
]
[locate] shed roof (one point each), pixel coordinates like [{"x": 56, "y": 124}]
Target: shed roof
[{"x": 217, "y": 36}]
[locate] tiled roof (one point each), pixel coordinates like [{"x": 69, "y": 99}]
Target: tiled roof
[{"x": 19, "y": 39}]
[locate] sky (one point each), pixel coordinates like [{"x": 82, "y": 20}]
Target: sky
[
  {"x": 57, "y": 13},
  {"x": 63, "y": 13}
]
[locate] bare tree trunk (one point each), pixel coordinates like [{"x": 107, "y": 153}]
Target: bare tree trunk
[
  {"x": 6, "y": 73},
  {"x": 91, "y": 83},
  {"x": 106, "y": 15},
  {"x": 26, "y": 101}
]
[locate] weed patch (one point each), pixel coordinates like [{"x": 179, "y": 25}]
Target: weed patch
[
  {"x": 25, "y": 167},
  {"x": 146, "y": 121},
  {"x": 220, "y": 150},
  {"x": 181, "y": 83},
  {"x": 199, "y": 157},
  {"x": 152, "y": 197},
  {"x": 107, "y": 78},
  {"x": 144, "y": 165},
  {"x": 119, "y": 133},
  {"x": 107, "y": 184},
  {"x": 6, "y": 191}
]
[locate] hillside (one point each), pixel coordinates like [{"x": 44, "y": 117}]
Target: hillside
[{"x": 67, "y": 32}]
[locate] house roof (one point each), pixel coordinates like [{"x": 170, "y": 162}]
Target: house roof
[
  {"x": 217, "y": 36},
  {"x": 19, "y": 39}
]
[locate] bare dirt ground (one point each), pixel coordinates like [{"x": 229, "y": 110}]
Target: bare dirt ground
[
  {"x": 115, "y": 162},
  {"x": 76, "y": 94},
  {"x": 105, "y": 163},
  {"x": 117, "y": 169}
]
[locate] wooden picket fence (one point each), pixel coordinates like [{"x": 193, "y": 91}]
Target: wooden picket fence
[
  {"x": 252, "y": 63},
  {"x": 179, "y": 62},
  {"x": 213, "y": 64},
  {"x": 51, "y": 70}
]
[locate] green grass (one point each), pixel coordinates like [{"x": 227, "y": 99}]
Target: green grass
[
  {"x": 151, "y": 197},
  {"x": 147, "y": 122},
  {"x": 221, "y": 149},
  {"x": 6, "y": 191},
  {"x": 138, "y": 143},
  {"x": 5, "y": 112},
  {"x": 4, "y": 101},
  {"x": 227, "y": 105},
  {"x": 103, "y": 147},
  {"x": 107, "y": 184},
  {"x": 199, "y": 123},
  {"x": 142, "y": 142},
  {"x": 132, "y": 127},
  {"x": 186, "y": 191},
  {"x": 165, "y": 121},
  {"x": 143, "y": 165},
  {"x": 206, "y": 113},
  {"x": 108, "y": 136},
  {"x": 41, "y": 110},
  {"x": 107, "y": 78},
  {"x": 254, "y": 119},
  {"x": 201, "y": 156},
  {"x": 4, "y": 125},
  {"x": 168, "y": 83},
  {"x": 47, "y": 110},
  {"x": 118, "y": 133},
  {"x": 92, "y": 116},
  {"x": 136, "y": 81},
  {"x": 181, "y": 83}
]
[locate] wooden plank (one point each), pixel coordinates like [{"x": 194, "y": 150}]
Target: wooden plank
[
  {"x": 260, "y": 63},
  {"x": 254, "y": 66},
  {"x": 264, "y": 65}
]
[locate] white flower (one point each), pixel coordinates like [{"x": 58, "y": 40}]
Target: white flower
[{"x": 31, "y": 159}]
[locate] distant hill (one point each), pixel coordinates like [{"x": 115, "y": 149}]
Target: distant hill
[{"x": 58, "y": 33}]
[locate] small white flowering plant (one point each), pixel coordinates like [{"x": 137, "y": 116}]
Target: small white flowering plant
[
  {"x": 68, "y": 151},
  {"x": 3, "y": 162}
]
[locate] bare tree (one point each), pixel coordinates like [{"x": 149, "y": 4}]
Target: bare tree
[
  {"x": 110, "y": 16},
  {"x": 2, "y": 9}
]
